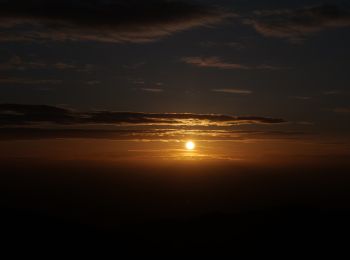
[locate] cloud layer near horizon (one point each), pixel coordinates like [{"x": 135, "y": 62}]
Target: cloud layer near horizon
[
  {"x": 27, "y": 122},
  {"x": 16, "y": 114},
  {"x": 35, "y": 133},
  {"x": 104, "y": 21}
]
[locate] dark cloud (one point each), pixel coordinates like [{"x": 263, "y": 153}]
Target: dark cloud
[
  {"x": 296, "y": 24},
  {"x": 25, "y": 114},
  {"x": 106, "y": 21},
  {"x": 26, "y": 133},
  {"x": 14, "y": 114}
]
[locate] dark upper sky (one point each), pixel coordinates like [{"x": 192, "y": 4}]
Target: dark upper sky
[{"x": 278, "y": 59}]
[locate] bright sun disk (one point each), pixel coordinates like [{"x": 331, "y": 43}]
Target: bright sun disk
[{"x": 190, "y": 145}]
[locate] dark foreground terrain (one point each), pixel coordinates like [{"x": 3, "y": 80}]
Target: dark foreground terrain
[{"x": 65, "y": 205}]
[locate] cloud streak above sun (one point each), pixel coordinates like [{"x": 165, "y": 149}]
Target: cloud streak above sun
[
  {"x": 15, "y": 114},
  {"x": 50, "y": 122},
  {"x": 36, "y": 133},
  {"x": 103, "y": 21}
]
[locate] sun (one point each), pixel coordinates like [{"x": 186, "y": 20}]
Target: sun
[{"x": 190, "y": 145}]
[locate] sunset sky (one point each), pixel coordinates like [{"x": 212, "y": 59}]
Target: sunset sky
[
  {"x": 174, "y": 123},
  {"x": 246, "y": 80}
]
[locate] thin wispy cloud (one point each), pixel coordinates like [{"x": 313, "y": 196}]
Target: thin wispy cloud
[
  {"x": 332, "y": 92},
  {"x": 233, "y": 91},
  {"x": 93, "y": 82},
  {"x": 139, "y": 82},
  {"x": 18, "y": 63},
  {"x": 234, "y": 45},
  {"x": 299, "y": 23},
  {"x": 300, "y": 97},
  {"x": 219, "y": 63},
  {"x": 342, "y": 110},
  {"x": 152, "y": 90},
  {"x": 28, "y": 81},
  {"x": 212, "y": 62}
]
